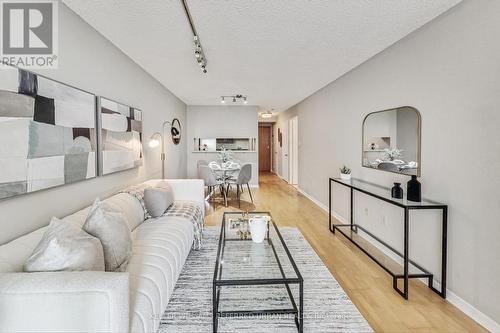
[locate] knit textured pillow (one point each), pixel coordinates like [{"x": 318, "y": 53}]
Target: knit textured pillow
[{"x": 112, "y": 230}]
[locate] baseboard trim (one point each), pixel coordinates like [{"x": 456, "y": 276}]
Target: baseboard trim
[
  {"x": 281, "y": 177},
  {"x": 470, "y": 310},
  {"x": 452, "y": 298}
]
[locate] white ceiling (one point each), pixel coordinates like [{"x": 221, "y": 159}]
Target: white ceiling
[{"x": 277, "y": 52}]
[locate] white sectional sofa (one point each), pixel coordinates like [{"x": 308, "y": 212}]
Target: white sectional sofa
[{"x": 101, "y": 301}]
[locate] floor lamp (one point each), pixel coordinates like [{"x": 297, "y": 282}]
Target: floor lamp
[{"x": 158, "y": 138}]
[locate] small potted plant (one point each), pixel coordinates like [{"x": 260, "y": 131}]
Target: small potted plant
[
  {"x": 225, "y": 157},
  {"x": 392, "y": 154},
  {"x": 345, "y": 173}
]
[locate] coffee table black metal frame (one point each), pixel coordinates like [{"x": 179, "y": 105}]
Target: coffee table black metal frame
[
  {"x": 218, "y": 282},
  {"x": 365, "y": 188}
]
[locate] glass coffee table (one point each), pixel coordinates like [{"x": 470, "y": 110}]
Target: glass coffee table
[{"x": 255, "y": 279}]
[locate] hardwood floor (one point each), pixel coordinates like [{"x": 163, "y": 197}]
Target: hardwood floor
[{"x": 368, "y": 285}]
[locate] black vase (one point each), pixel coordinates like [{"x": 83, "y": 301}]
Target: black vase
[
  {"x": 414, "y": 191},
  {"x": 397, "y": 191}
]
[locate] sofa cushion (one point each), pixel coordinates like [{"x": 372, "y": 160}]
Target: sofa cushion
[
  {"x": 65, "y": 247},
  {"x": 160, "y": 248},
  {"x": 129, "y": 206},
  {"x": 157, "y": 200},
  {"x": 137, "y": 191},
  {"x": 113, "y": 232}
]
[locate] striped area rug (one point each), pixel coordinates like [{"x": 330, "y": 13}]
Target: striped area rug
[{"x": 326, "y": 306}]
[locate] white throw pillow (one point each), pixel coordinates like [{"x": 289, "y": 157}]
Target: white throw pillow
[
  {"x": 157, "y": 200},
  {"x": 66, "y": 247},
  {"x": 114, "y": 234}
]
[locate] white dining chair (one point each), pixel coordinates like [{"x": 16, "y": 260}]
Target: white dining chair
[
  {"x": 211, "y": 182},
  {"x": 244, "y": 177}
]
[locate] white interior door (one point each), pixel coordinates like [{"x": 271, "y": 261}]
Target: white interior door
[
  {"x": 293, "y": 150},
  {"x": 284, "y": 153}
]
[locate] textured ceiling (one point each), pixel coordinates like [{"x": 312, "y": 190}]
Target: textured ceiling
[{"x": 277, "y": 52}]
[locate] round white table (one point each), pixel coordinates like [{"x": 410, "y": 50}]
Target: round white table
[{"x": 224, "y": 173}]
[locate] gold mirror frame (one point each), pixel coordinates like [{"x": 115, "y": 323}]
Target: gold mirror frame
[{"x": 419, "y": 139}]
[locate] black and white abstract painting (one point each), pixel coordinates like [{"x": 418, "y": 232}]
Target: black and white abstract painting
[
  {"x": 121, "y": 136},
  {"x": 48, "y": 133}
]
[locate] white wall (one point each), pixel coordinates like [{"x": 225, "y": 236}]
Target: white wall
[
  {"x": 90, "y": 62},
  {"x": 449, "y": 70},
  {"x": 219, "y": 122}
]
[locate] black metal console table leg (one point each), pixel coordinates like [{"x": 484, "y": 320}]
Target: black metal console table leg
[
  {"x": 444, "y": 255},
  {"x": 330, "y": 206},
  {"x": 351, "y": 220},
  {"x": 406, "y": 257},
  {"x": 406, "y": 251}
]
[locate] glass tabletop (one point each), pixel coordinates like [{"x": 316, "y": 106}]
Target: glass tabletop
[
  {"x": 224, "y": 166},
  {"x": 226, "y": 169},
  {"x": 241, "y": 259},
  {"x": 384, "y": 193}
]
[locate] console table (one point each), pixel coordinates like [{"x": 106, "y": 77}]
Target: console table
[{"x": 383, "y": 193}]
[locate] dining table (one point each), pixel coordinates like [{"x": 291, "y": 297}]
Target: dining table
[{"x": 225, "y": 172}]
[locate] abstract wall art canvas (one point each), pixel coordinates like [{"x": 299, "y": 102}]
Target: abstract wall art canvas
[
  {"x": 121, "y": 137},
  {"x": 48, "y": 133}
]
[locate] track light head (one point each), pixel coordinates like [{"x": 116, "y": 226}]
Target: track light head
[{"x": 199, "y": 54}]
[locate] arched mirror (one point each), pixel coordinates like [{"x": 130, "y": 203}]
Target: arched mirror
[
  {"x": 176, "y": 131},
  {"x": 391, "y": 140}
]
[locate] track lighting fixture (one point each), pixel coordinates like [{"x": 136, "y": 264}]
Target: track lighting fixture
[
  {"x": 199, "y": 54},
  {"x": 235, "y": 98},
  {"x": 198, "y": 49}
]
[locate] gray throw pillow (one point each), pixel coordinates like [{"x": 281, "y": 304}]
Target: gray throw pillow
[
  {"x": 66, "y": 247},
  {"x": 114, "y": 234},
  {"x": 158, "y": 199}
]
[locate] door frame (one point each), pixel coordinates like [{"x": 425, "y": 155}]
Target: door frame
[
  {"x": 271, "y": 143},
  {"x": 293, "y": 150}
]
